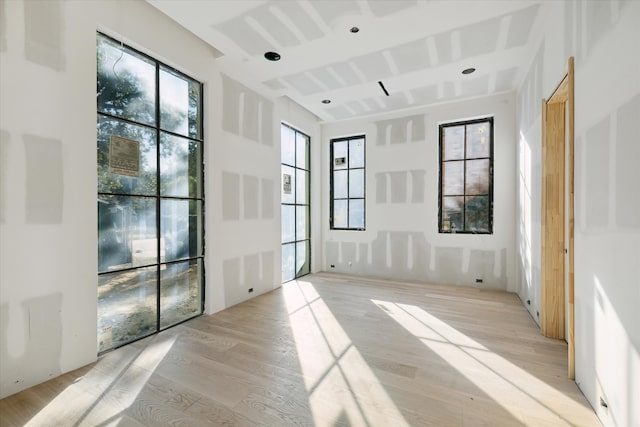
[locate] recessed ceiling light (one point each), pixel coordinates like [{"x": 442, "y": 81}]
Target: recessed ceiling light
[
  {"x": 272, "y": 56},
  {"x": 326, "y": 101},
  {"x": 468, "y": 70},
  {"x": 354, "y": 29}
]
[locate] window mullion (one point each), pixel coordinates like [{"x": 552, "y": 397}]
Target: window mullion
[{"x": 158, "y": 207}]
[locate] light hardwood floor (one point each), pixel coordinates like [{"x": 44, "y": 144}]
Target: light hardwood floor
[{"x": 327, "y": 350}]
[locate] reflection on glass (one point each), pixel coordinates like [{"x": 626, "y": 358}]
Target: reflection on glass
[
  {"x": 340, "y": 184},
  {"x": 126, "y": 306},
  {"x": 453, "y": 178},
  {"x": 288, "y": 262},
  {"x": 179, "y": 101},
  {"x": 356, "y": 153},
  {"x": 180, "y": 226},
  {"x": 478, "y": 140},
  {"x": 301, "y": 150},
  {"x": 145, "y": 183},
  {"x": 302, "y": 266},
  {"x": 356, "y": 183},
  {"x": 302, "y": 230},
  {"x": 126, "y": 83},
  {"x": 340, "y": 155},
  {"x": 453, "y": 143},
  {"x": 180, "y": 165},
  {"x": 476, "y": 213},
  {"x": 180, "y": 297},
  {"x": 288, "y": 223},
  {"x": 452, "y": 212},
  {"x": 126, "y": 232},
  {"x": 477, "y": 181},
  {"x": 288, "y": 185},
  {"x": 340, "y": 214},
  {"x": 288, "y": 148},
  {"x": 356, "y": 213},
  {"x": 301, "y": 187}
]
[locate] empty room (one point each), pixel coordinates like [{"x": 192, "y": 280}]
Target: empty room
[{"x": 319, "y": 212}]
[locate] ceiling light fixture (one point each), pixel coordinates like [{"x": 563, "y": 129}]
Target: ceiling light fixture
[
  {"x": 354, "y": 29},
  {"x": 468, "y": 70},
  {"x": 272, "y": 56},
  {"x": 326, "y": 101}
]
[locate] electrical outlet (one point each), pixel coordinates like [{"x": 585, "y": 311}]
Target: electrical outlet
[
  {"x": 479, "y": 280},
  {"x": 333, "y": 266},
  {"x": 250, "y": 290}
]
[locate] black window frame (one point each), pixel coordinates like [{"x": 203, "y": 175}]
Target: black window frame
[
  {"x": 441, "y": 162},
  {"x": 332, "y": 199}
]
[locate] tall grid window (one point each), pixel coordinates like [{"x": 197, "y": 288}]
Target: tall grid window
[
  {"x": 348, "y": 183},
  {"x": 466, "y": 177},
  {"x": 150, "y": 195}
]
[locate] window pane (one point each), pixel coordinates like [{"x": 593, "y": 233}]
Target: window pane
[
  {"x": 340, "y": 184},
  {"x": 109, "y": 158},
  {"x": 453, "y": 143},
  {"x": 452, "y": 213},
  {"x": 356, "y": 183},
  {"x": 180, "y": 297},
  {"x": 126, "y": 232},
  {"x": 302, "y": 197},
  {"x": 340, "y": 155},
  {"x": 288, "y": 223},
  {"x": 302, "y": 142},
  {"x": 126, "y": 306},
  {"x": 288, "y": 185},
  {"x": 288, "y": 262},
  {"x": 288, "y": 147},
  {"x": 340, "y": 214},
  {"x": 180, "y": 227},
  {"x": 478, "y": 140},
  {"x": 302, "y": 264},
  {"x": 302, "y": 231},
  {"x": 453, "y": 178},
  {"x": 126, "y": 83},
  {"x": 477, "y": 177},
  {"x": 356, "y": 153},
  {"x": 179, "y": 102},
  {"x": 356, "y": 213},
  {"x": 477, "y": 214},
  {"x": 180, "y": 167}
]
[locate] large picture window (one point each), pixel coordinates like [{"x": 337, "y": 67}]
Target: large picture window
[
  {"x": 466, "y": 177},
  {"x": 150, "y": 195},
  {"x": 348, "y": 183}
]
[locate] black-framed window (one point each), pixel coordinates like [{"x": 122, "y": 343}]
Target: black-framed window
[
  {"x": 150, "y": 195},
  {"x": 347, "y": 187},
  {"x": 466, "y": 177}
]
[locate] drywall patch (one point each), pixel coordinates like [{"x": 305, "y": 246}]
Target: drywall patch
[
  {"x": 45, "y": 180},
  {"x": 401, "y": 130},
  {"x": 381, "y": 187},
  {"x": 266, "y": 122},
  {"x": 597, "y": 180},
  {"x": 246, "y": 113},
  {"x": 332, "y": 253},
  {"x": 531, "y": 90},
  {"x": 417, "y": 185},
  {"x": 231, "y": 273},
  {"x": 251, "y": 117},
  {"x": 44, "y": 33},
  {"x": 4, "y": 164},
  {"x": 231, "y": 91},
  {"x": 398, "y": 187},
  {"x": 250, "y": 191},
  {"x": 268, "y": 260},
  {"x": 230, "y": 196},
  {"x": 252, "y": 271},
  {"x": 520, "y": 26},
  {"x": 268, "y": 194},
  {"x": 3, "y": 26},
  {"x": 448, "y": 264},
  {"x": 627, "y": 173}
]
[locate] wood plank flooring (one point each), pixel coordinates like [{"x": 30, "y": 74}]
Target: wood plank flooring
[{"x": 327, "y": 350}]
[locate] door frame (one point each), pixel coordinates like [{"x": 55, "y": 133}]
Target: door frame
[{"x": 556, "y": 132}]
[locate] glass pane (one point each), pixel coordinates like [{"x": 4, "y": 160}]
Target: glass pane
[
  {"x": 452, "y": 213},
  {"x": 288, "y": 146},
  {"x": 356, "y": 213},
  {"x": 340, "y": 155},
  {"x": 180, "y": 167},
  {"x": 302, "y": 229},
  {"x": 288, "y": 223},
  {"x": 180, "y": 292},
  {"x": 302, "y": 142},
  {"x": 476, "y": 214},
  {"x": 126, "y": 83},
  {"x": 126, "y": 306},
  {"x": 288, "y": 185},
  {"x": 356, "y": 183},
  {"x": 302, "y": 258},
  {"x": 356, "y": 153},
  {"x": 477, "y": 177},
  {"x": 478, "y": 140},
  {"x": 340, "y": 184},
  {"x": 302, "y": 196},
  {"x": 340, "y": 214},
  {"x": 179, "y": 104},
  {"x": 181, "y": 229},
  {"x": 453, "y": 178},
  {"x": 453, "y": 143},
  {"x": 288, "y": 262},
  {"x": 126, "y": 232},
  {"x": 120, "y": 169}
]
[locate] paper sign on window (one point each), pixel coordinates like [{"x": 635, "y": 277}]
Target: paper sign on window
[
  {"x": 124, "y": 156},
  {"x": 340, "y": 161},
  {"x": 286, "y": 183}
]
